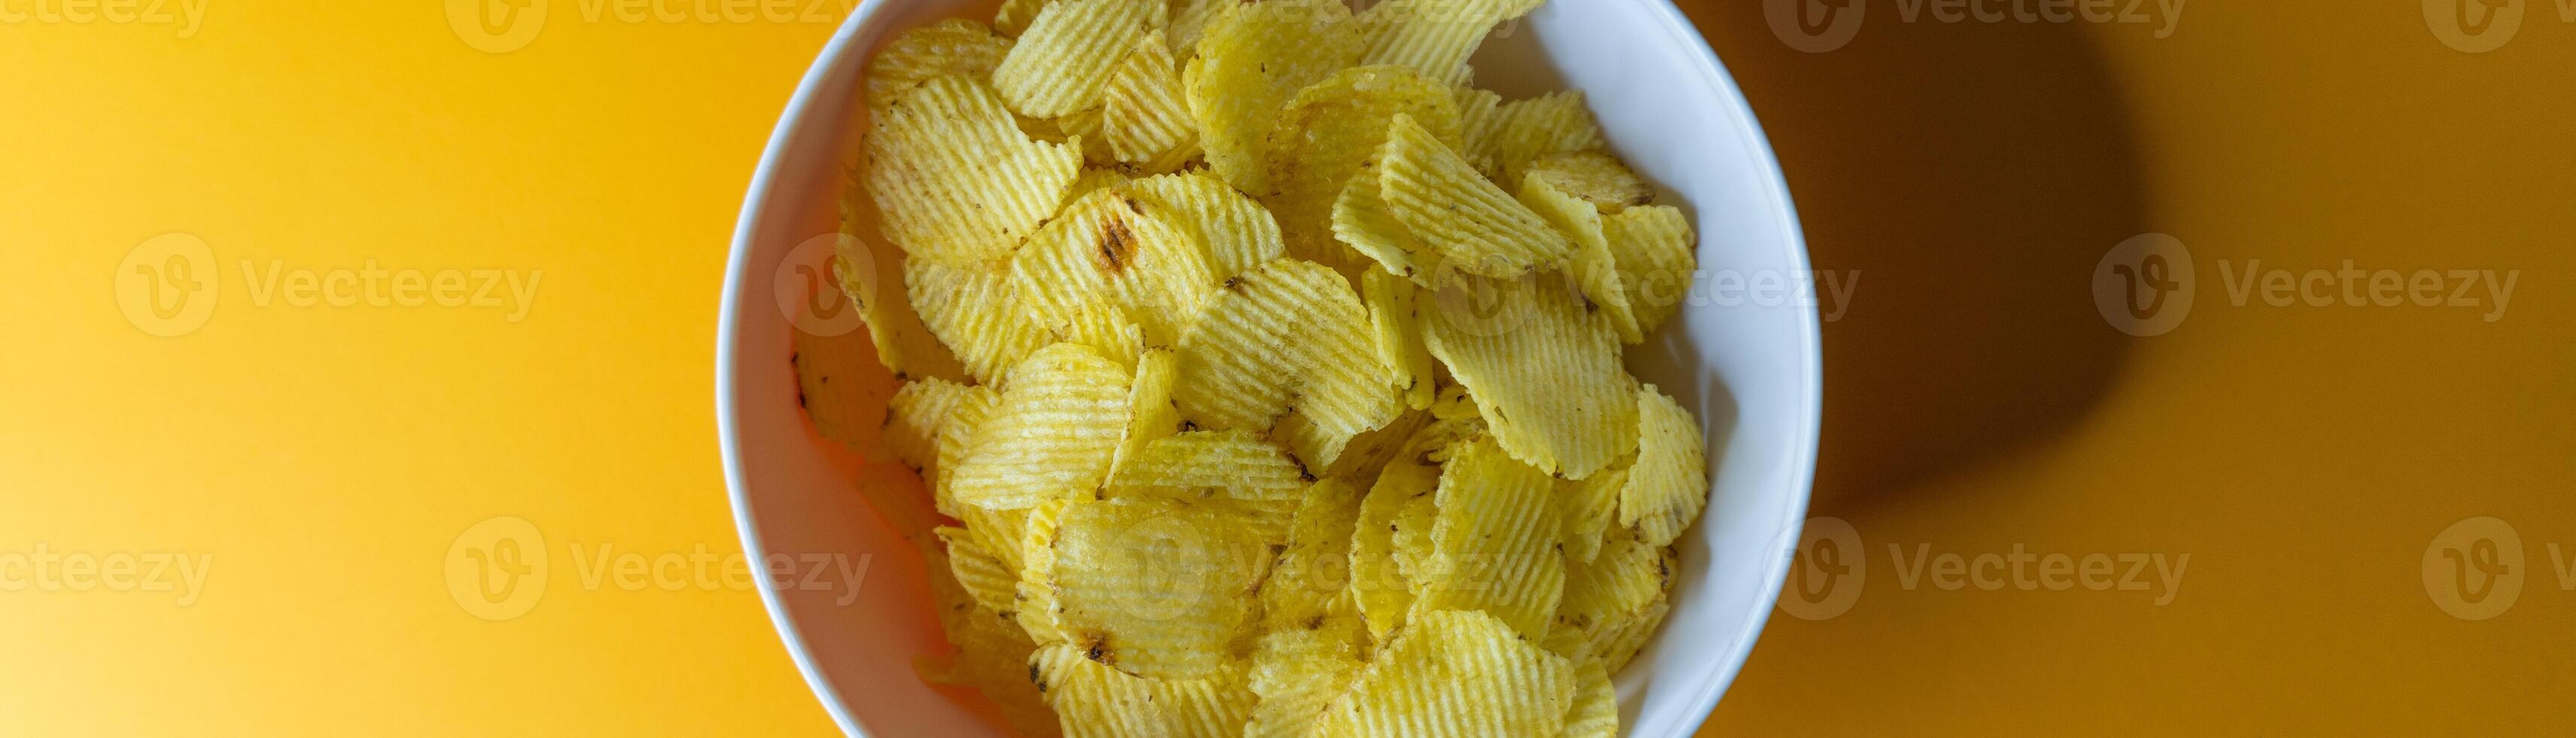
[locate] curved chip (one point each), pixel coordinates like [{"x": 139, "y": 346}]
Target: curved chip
[
  {"x": 1037, "y": 611},
  {"x": 1115, "y": 248},
  {"x": 1094, "y": 180},
  {"x": 1062, "y": 62},
  {"x": 954, "y": 178},
  {"x": 1286, "y": 347},
  {"x": 1653, "y": 247},
  {"x": 1362, "y": 221},
  {"x": 1297, "y": 671},
  {"x": 1252, "y": 59},
  {"x": 985, "y": 577},
  {"x": 1473, "y": 225},
  {"x": 1013, "y": 18},
  {"x": 1586, "y": 508},
  {"x": 1595, "y": 713},
  {"x": 1247, "y": 481},
  {"x": 1593, "y": 266},
  {"x": 1104, "y": 328},
  {"x": 1614, "y": 603},
  {"x": 1521, "y": 131},
  {"x": 1312, "y": 573},
  {"x": 956, "y": 430},
  {"x": 1383, "y": 593},
  {"x": 913, "y": 417},
  {"x": 1545, "y": 371},
  {"x": 1146, "y": 123},
  {"x": 975, "y": 312},
  {"x": 1152, "y": 415},
  {"x": 1095, "y": 700},
  {"x": 1368, "y": 453},
  {"x": 1668, "y": 487},
  {"x": 1455, "y": 673},
  {"x": 1190, "y": 19},
  {"x": 1393, "y": 318},
  {"x": 955, "y": 46},
  {"x": 1052, "y": 435},
  {"x": 1239, "y": 234},
  {"x": 872, "y": 275},
  {"x": 1154, "y": 587},
  {"x": 1433, "y": 36},
  {"x": 1329, "y": 133},
  {"x": 1494, "y": 542},
  {"x": 1596, "y": 177}
]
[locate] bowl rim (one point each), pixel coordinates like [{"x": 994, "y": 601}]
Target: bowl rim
[{"x": 1712, "y": 72}]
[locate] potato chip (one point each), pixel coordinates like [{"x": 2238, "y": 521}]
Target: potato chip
[
  {"x": 871, "y": 274},
  {"x": 1014, "y": 16},
  {"x": 1585, "y": 508},
  {"x": 1115, "y": 248},
  {"x": 1312, "y": 572},
  {"x": 1433, "y": 36},
  {"x": 1545, "y": 372},
  {"x": 992, "y": 584},
  {"x": 1669, "y": 485},
  {"x": 1154, "y": 587},
  {"x": 1379, "y": 587},
  {"x": 955, "y": 179},
  {"x": 1236, "y": 475},
  {"x": 1613, "y": 603},
  {"x": 992, "y": 656},
  {"x": 1061, "y": 64},
  {"x": 1239, "y": 234},
  {"x": 1328, "y": 132},
  {"x": 1653, "y": 247},
  {"x": 1493, "y": 542},
  {"x": 1479, "y": 116},
  {"x": 1595, "y": 713},
  {"x": 1596, "y": 177},
  {"x": 1102, "y": 327},
  {"x": 1296, "y": 671},
  {"x": 1286, "y": 347},
  {"x": 957, "y": 429},
  {"x": 1147, "y": 123},
  {"x": 1190, "y": 19},
  {"x": 1434, "y": 442},
  {"x": 1092, "y": 699},
  {"x": 1473, "y": 225},
  {"x": 1252, "y": 59},
  {"x": 1052, "y": 435},
  {"x": 1414, "y": 550},
  {"x": 1082, "y": 130},
  {"x": 1453, "y": 402},
  {"x": 1455, "y": 673},
  {"x": 1593, "y": 266},
  {"x": 1524, "y": 130},
  {"x": 1094, "y": 180},
  {"x": 1001, "y": 533},
  {"x": 1152, "y": 415},
  {"x": 953, "y": 46},
  {"x": 913, "y": 417},
  {"x": 1038, "y": 612},
  {"x": 976, "y": 313},
  {"x": 1392, "y": 317},
  {"x": 1362, "y": 222}
]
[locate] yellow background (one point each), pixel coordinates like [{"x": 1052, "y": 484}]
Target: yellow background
[{"x": 326, "y": 458}]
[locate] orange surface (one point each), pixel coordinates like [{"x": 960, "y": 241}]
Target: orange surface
[{"x": 316, "y": 464}]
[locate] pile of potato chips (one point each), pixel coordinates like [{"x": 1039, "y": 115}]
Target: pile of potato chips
[{"x": 1268, "y": 371}]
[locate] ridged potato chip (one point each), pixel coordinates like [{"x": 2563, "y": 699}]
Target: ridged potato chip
[
  {"x": 1251, "y": 484},
  {"x": 1286, "y": 347},
  {"x": 1368, "y": 453},
  {"x": 1362, "y": 221},
  {"x": 1472, "y": 224},
  {"x": 1522, "y": 131},
  {"x": 1094, "y": 180},
  {"x": 953, "y": 46},
  {"x": 1102, "y": 327},
  {"x": 1377, "y": 584},
  {"x": 1297, "y": 671},
  {"x": 1190, "y": 19},
  {"x": 1586, "y": 507},
  {"x": 1095, "y": 700},
  {"x": 1593, "y": 266},
  {"x": 1479, "y": 116},
  {"x": 1596, "y": 177},
  {"x": 1038, "y": 612},
  {"x": 956, "y": 430},
  {"x": 1544, "y": 370},
  {"x": 1239, "y": 233},
  {"x": 1053, "y": 434},
  {"x": 1001, "y": 533},
  {"x": 1614, "y": 602},
  {"x": 872, "y": 275},
  {"x": 1494, "y": 542},
  {"x": 1014, "y": 16},
  {"x": 1455, "y": 673},
  {"x": 1155, "y": 587},
  {"x": 976, "y": 313},
  {"x": 992, "y": 656},
  {"x": 1653, "y": 246},
  {"x": 1061, "y": 64},
  {"x": 954, "y": 177},
  {"x": 1433, "y": 36},
  {"x": 1595, "y": 713},
  {"x": 1252, "y": 59},
  {"x": 1311, "y": 574},
  {"x": 1146, "y": 122},
  {"x": 1668, "y": 487},
  {"x": 993, "y": 585},
  {"x": 1392, "y": 316},
  {"x": 913, "y": 417},
  {"x": 1328, "y": 133},
  {"x": 1115, "y": 248},
  {"x": 1152, "y": 415}
]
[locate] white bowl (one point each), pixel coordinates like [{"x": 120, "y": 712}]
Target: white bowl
[{"x": 1748, "y": 368}]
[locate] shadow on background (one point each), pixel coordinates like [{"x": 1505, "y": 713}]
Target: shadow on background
[{"x": 1973, "y": 175}]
